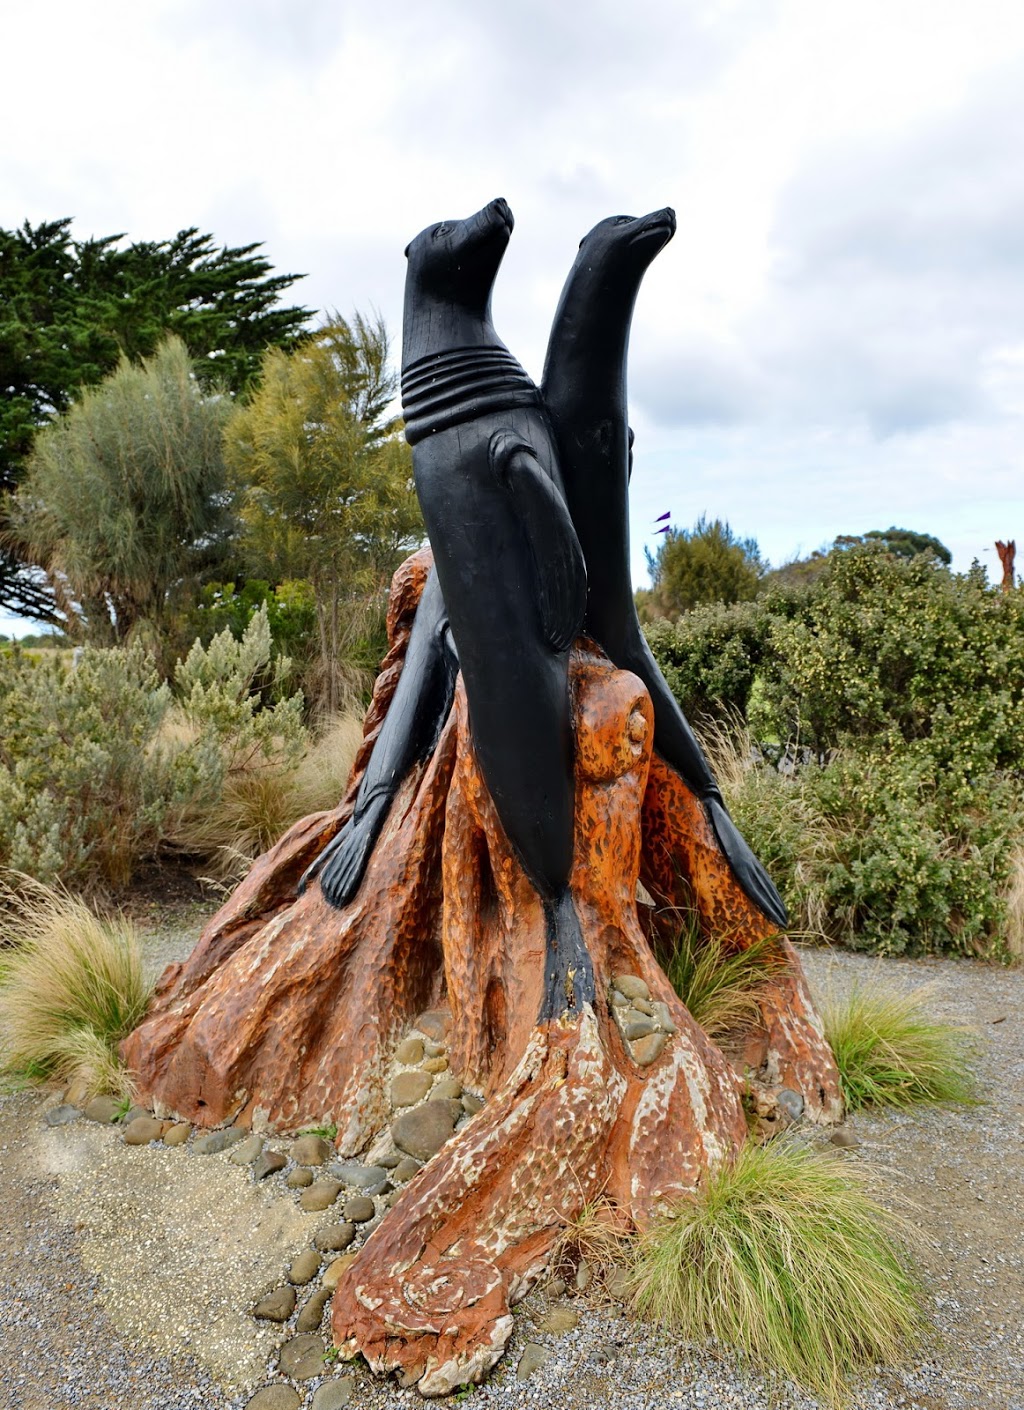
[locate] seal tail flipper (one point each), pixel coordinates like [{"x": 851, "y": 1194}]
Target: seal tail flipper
[
  {"x": 568, "y": 971},
  {"x": 560, "y": 572},
  {"x": 747, "y": 870}
]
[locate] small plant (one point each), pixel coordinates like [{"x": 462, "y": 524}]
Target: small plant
[
  {"x": 785, "y": 1256},
  {"x": 597, "y": 1236},
  {"x": 73, "y": 987},
  {"x": 326, "y": 1133},
  {"x": 718, "y": 985},
  {"x": 890, "y": 1053}
]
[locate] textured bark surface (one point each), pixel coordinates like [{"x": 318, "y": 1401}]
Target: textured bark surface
[{"x": 288, "y": 1014}]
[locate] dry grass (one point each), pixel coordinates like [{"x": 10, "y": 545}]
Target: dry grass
[
  {"x": 598, "y": 1237},
  {"x": 72, "y": 987},
  {"x": 784, "y": 1256},
  {"x": 260, "y": 801},
  {"x": 1014, "y": 900},
  {"x": 891, "y": 1053}
]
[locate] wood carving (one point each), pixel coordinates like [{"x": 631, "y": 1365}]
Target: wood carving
[{"x": 444, "y": 896}]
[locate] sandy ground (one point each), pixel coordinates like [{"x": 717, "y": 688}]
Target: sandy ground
[{"x": 126, "y": 1274}]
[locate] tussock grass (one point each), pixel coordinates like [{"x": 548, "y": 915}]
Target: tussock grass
[
  {"x": 597, "y": 1236},
  {"x": 717, "y": 984},
  {"x": 891, "y": 1053},
  {"x": 786, "y": 1257},
  {"x": 72, "y": 987}
]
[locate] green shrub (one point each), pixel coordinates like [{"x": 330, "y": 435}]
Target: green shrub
[
  {"x": 890, "y": 1053},
  {"x": 784, "y": 1256},
  {"x": 72, "y": 987}
]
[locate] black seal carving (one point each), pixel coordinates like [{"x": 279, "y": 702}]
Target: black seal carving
[{"x": 584, "y": 390}]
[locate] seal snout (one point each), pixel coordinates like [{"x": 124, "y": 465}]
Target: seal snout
[{"x": 503, "y": 211}]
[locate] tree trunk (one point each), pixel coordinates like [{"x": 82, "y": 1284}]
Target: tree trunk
[{"x": 288, "y": 1014}]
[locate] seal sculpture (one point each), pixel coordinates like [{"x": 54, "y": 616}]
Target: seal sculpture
[
  {"x": 511, "y": 585},
  {"x": 584, "y": 391}
]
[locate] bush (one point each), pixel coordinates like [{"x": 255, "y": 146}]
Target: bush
[
  {"x": 79, "y": 796},
  {"x": 717, "y": 984},
  {"x": 786, "y": 1257},
  {"x": 72, "y": 987},
  {"x": 890, "y": 1053}
]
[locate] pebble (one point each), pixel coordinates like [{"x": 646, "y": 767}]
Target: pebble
[
  {"x": 334, "y": 1238},
  {"x": 61, "y": 1115},
  {"x": 638, "y": 1027},
  {"x": 143, "y": 1130},
  {"x": 471, "y": 1103},
  {"x": 276, "y": 1397},
  {"x": 646, "y": 1049},
  {"x": 334, "y": 1395},
  {"x": 312, "y": 1314},
  {"x": 422, "y": 1131},
  {"x": 843, "y": 1137},
  {"x": 247, "y": 1151},
  {"x": 177, "y": 1134},
  {"x": 434, "y": 1024},
  {"x": 644, "y": 1006},
  {"x": 371, "y": 1179},
  {"x": 405, "y": 1169},
  {"x": 618, "y": 1284},
  {"x": 133, "y": 1113},
  {"x": 77, "y": 1093},
  {"x": 664, "y": 1018},
  {"x": 302, "y": 1357},
  {"x": 533, "y": 1357},
  {"x": 276, "y": 1306},
  {"x": 617, "y": 1000},
  {"x": 408, "y": 1088},
  {"x": 435, "y": 1064},
  {"x": 433, "y": 1049},
  {"x": 304, "y": 1268},
  {"x": 213, "y": 1142},
  {"x": 410, "y": 1051},
  {"x": 320, "y": 1195},
  {"x": 299, "y": 1179},
  {"x": 791, "y": 1103},
  {"x": 334, "y": 1270},
  {"x": 631, "y": 985},
  {"x": 311, "y": 1150},
  {"x": 268, "y": 1163},
  {"x": 559, "y": 1320},
  {"x": 102, "y": 1109},
  {"x": 359, "y": 1209},
  {"x": 448, "y": 1089}
]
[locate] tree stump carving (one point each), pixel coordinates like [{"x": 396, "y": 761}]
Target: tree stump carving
[{"x": 289, "y": 1012}]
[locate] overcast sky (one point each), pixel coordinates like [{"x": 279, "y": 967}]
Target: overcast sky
[{"x": 834, "y": 341}]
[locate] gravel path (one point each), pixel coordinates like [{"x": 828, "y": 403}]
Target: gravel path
[{"x": 126, "y": 1274}]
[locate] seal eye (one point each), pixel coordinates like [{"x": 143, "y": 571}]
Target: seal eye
[
  {"x": 441, "y": 230},
  {"x": 623, "y": 220}
]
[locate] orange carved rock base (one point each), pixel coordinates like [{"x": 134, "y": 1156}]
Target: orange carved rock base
[{"x": 288, "y": 1013}]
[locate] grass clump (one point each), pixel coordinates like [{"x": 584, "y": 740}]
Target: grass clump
[
  {"x": 596, "y": 1237},
  {"x": 891, "y": 1053},
  {"x": 72, "y": 986},
  {"x": 785, "y": 1256},
  {"x": 718, "y": 984}
]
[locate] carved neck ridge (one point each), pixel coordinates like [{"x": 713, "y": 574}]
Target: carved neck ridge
[{"x": 459, "y": 384}]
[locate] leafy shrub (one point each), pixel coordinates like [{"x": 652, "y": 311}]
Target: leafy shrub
[
  {"x": 79, "y": 797},
  {"x": 72, "y": 987},
  {"x": 786, "y": 1257},
  {"x": 891, "y": 1053}
]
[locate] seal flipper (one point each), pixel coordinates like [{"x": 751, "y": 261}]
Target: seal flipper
[
  {"x": 568, "y": 971},
  {"x": 560, "y": 571},
  {"x": 341, "y": 864},
  {"x": 747, "y": 870}
]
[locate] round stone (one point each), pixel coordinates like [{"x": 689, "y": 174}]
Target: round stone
[
  {"x": 664, "y": 1018},
  {"x": 423, "y": 1131},
  {"x": 559, "y": 1320},
  {"x": 143, "y": 1130},
  {"x": 312, "y": 1314},
  {"x": 302, "y": 1357},
  {"x": 335, "y": 1395},
  {"x": 311, "y": 1150},
  {"x": 359, "y": 1209},
  {"x": 299, "y": 1179},
  {"x": 213, "y": 1142},
  {"x": 405, "y": 1169},
  {"x": 268, "y": 1163},
  {"x": 371, "y": 1179},
  {"x": 247, "y": 1151},
  {"x": 631, "y": 985},
  {"x": 275, "y": 1397},
  {"x": 844, "y": 1138},
  {"x": 61, "y": 1115},
  {"x": 410, "y": 1051},
  {"x": 646, "y": 1049},
  {"x": 102, "y": 1109},
  {"x": 791, "y": 1104},
  {"x": 448, "y": 1089},
  {"x": 471, "y": 1103},
  {"x": 434, "y": 1024},
  {"x": 277, "y": 1306},
  {"x": 533, "y": 1357},
  {"x": 178, "y": 1134},
  {"x": 304, "y": 1267},
  {"x": 435, "y": 1064},
  {"x": 334, "y": 1238},
  {"x": 320, "y": 1195},
  {"x": 408, "y": 1088},
  {"x": 334, "y": 1270},
  {"x": 636, "y": 1025}
]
